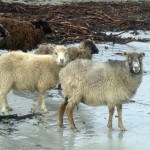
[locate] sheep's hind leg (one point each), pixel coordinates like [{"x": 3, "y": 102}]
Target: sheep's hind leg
[
  {"x": 62, "y": 109},
  {"x": 41, "y": 100},
  {"x": 111, "y": 113},
  {"x": 7, "y": 106},
  {"x": 5, "y": 88},
  {"x": 36, "y": 104},
  {"x": 69, "y": 109},
  {"x": 43, "y": 107},
  {"x": 120, "y": 124},
  {"x": 3, "y": 104}
]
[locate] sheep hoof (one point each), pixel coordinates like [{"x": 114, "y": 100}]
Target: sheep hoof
[
  {"x": 5, "y": 113},
  {"x": 75, "y": 130},
  {"x": 123, "y": 129},
  {"x": 32, "y": 110},
  {"x": 10, "y": 109},
  {"x": 45, "y": 111},
  {"x": 110, "y": 128},
  {"x": 62, "y": 126}
]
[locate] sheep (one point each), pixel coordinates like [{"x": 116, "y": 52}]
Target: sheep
[
  {"x": 45, "y": 49},
  {"x": 95, "y": 83},
  {"x": 3, "y": 32},
  {"x": 29, "y": 72},
  {"x": 24, "y": 35},
  {"x": 85, "y": 50}
]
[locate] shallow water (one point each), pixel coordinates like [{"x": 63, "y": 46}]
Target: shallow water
[{"x": 43, "y": 132}]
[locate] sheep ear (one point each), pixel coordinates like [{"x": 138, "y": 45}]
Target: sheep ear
[
  {"x": 38, "y": 22},
  {"x": 89, "y": 39},
  {"x": 126, "y": 53},
  {"x": 142, "y": 54},
  {"x": 35, "y": 23}
]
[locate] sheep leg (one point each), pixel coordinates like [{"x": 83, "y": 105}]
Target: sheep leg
[
  {"x": 3, "y": 99},
  {"x": 69, "y": 109},
  {"x": 42, "y": 100},
  {"x": 33, "y": 109},
  {"x": 7, "y": 106},
  {"x": 111, "y": 113},
  {"x": 3, "y": 103},
  {"x": 62, "y": 109},
  {"x": 43, "y": 107},
  {"x": 119, "y": 110}
]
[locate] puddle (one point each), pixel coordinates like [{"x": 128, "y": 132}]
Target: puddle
[{"x": 43, "y": 132}]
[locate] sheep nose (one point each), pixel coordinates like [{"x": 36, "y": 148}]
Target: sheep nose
[{"x": 61, "y": 60}]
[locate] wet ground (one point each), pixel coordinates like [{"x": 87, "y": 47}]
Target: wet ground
[{"x": 42, "y": 131}]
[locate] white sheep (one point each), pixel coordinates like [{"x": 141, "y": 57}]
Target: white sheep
[
  {"x": 85, "y": 50},
  {"x": 100, "y": 83},
  {"x": 29, "y": 73}
]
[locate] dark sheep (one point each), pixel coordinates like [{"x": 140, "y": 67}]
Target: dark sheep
[{"x": 24, "y": 35}]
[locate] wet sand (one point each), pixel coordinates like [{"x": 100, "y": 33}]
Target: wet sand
[{"x": 42, "y": 132}]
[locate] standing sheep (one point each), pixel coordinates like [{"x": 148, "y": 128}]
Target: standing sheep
[
  {"x": 100, "y": 83},
  {"x": 44, "y": 49},
  {"x": 85, "y": 50},
  {"x": 3, "y": 32},
  {"x": 24, "y": 35},
  {"x": 29, "y": 72}
]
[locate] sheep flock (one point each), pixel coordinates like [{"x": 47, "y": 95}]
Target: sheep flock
[{"x": 83, "y": 80}]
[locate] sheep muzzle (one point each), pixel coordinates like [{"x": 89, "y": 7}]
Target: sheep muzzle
[{"x": 136, "y": 67}]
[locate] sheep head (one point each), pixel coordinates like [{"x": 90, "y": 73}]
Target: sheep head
[
  {"x": 3, "y": 32},
  {"x": 134, "y": 60},
  {"x": 90, "y": 45},
  {"x": 41, "y": 23},
  {"x": 61, "y": 55}
]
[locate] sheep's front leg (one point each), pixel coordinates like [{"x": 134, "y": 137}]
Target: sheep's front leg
[
  {"x": 120, "y": 124},
  {"x": 111, "y": 113},
  {"x": 62, "y": 109},
  {"x": 69, "y": 110}
]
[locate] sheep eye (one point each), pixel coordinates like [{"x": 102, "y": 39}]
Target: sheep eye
[
  {"x": 55, "y": 53},
  {"x": 140, "y": 58}
]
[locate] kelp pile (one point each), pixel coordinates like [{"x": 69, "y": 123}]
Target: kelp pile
[{"x": 76, "y": 21}]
